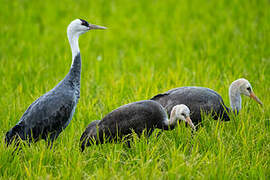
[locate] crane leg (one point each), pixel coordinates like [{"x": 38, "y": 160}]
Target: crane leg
[{"x": 51, "y": 139}]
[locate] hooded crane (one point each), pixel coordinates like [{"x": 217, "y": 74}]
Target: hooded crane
[
  {"x": 46, "y": 117},
  {"x": 206, "y": 100},
  {"x": 138, "y": 116}
]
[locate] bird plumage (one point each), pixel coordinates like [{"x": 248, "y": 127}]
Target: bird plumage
[
  {"x": 90, "y": 131},
  {"x": 198, "y": 99},
  {"x": 201, "y": 99},
  {"x": 134, "y": 116},
  {"x": 141, "y": 116},
  {"x": 51, "y": 113},
  {"x": 138, "y": 117}
]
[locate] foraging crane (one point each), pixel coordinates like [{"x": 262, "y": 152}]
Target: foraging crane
[
  {"x": 137, "y": 116},
  {"x": 50, "y": 114},
  {"x": 206, "y": 100}
]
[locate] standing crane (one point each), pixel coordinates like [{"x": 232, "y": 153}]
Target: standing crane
[{"x": 51, "y": 113}]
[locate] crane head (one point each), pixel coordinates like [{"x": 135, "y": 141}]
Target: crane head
[
  {"x": 182, "y": 112},
  {"x": 81, "y": 26},
  {"x": 246, "y": 89}
]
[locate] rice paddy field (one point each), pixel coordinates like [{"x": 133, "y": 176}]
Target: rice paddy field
[{"x": 148, "y": 48}]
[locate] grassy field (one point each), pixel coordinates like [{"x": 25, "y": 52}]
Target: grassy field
[{"x": 150, "y": 47}]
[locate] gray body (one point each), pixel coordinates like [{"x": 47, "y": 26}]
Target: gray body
[
  {"x": 138, "y": 117},
  {"x": 51, "y": 113},
  {"x": 198, "y": 99}
]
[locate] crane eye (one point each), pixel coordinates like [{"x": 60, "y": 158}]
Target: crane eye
[
  {"x": 84, "y": 23},
  {"x": 249, "y": 89},
  {"x": 182, "y": 114}
]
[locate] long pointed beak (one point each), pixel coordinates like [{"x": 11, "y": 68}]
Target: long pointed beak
[
  {"x": 93, "y": 26},
  {"x": 188, "y": 120},
  {"x": 253, "y": 96}
]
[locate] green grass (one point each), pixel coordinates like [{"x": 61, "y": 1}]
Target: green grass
[{"x": 150, "y": 47}]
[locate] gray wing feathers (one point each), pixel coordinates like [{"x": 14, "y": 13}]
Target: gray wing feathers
[
  {"x": 196, "y": 98},
  {"x": 50, "y": 113},
  {"x": 136, "y": 116}
]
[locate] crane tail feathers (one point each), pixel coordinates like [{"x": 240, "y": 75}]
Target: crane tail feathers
[{"x": 14, "y": 135}]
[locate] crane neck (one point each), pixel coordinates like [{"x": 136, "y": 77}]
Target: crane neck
[
  {"x": 170, "y": 123},
  {"x": 74, "y": 75},
  {"x": 235, "y": 97},
  {"x": 73, "y": 39}
]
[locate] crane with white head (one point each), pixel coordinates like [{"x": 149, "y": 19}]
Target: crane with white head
[
  {"x": 51, "y": 113},
  {"x": 201, "y": 99}
]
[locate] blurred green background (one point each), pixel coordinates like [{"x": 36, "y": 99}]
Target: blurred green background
[{"x": 148, "y": 48}]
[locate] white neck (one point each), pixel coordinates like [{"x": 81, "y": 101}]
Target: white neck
[
  {"x": 173, "y": 119},
  {"x": 73, "y": 39},
  {"x": 235, "y": 97}
]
